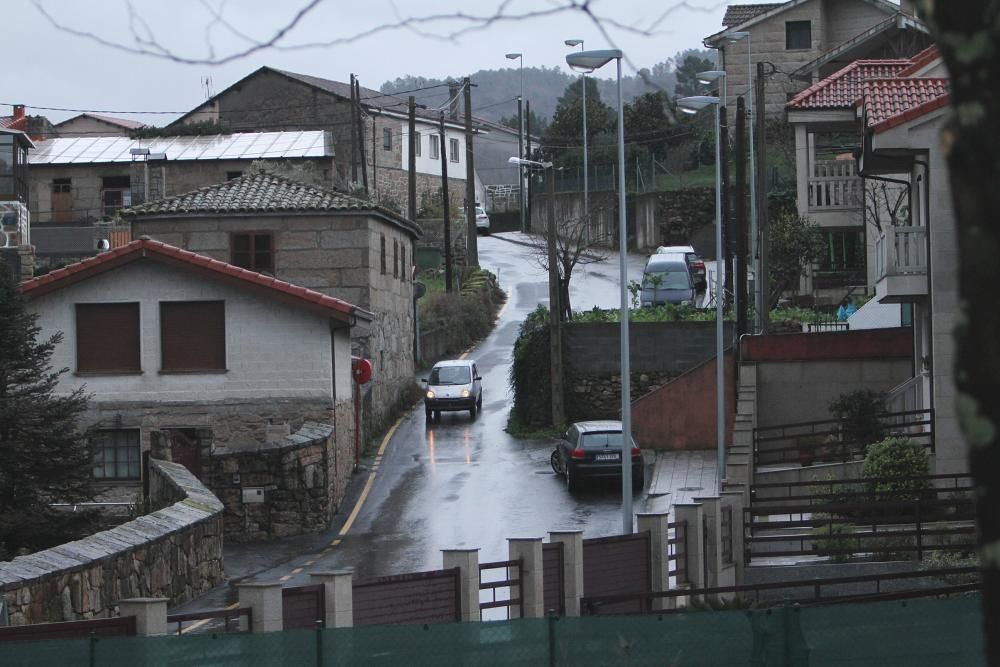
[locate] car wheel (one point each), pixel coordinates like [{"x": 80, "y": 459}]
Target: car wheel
[
  {"x": 638, "y": 482},
  {"x": 437, "y": 415},
  {"x": 429, "y": 414},
  {"x": 479, "y": 403},
  {"x": 572, "y": 483},
  {"x": 555, "y": 463},
  {"x": 472, "y": 411}
]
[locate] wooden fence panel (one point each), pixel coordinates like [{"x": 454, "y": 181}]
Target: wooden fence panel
[
  {"x": 615, "y": 566},
  {"x": 421, "y": 597}
]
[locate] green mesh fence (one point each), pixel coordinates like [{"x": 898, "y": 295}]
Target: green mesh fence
[{"x": 912, "y": 633}]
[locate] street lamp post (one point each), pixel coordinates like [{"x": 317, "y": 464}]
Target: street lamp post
[
  {"x": 693, "y": 105},
  {"x": 555, "y": 308},
  {"x": 586, "y": 189},
  {"x": 520, "y": 138},
  {"x": 588, "y": 61}
]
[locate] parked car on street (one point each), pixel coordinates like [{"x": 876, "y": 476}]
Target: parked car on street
[
  {"x": 482, "y": 221},
  {"x": 593, "y": 450},
  {"x": 666, "y": 279},
  {"x": 453, "y": 385},
  {"x": 695, "y": 264}
]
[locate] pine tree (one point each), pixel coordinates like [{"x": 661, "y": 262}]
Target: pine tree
[{"x": 44, "y": 458}]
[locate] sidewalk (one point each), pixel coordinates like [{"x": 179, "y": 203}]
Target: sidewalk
[{"x": 679, "y": 477}]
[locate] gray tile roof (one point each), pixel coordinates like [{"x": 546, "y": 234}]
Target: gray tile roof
[
  {"x": 263, "y": 193},
  {"x": 739, "y": 14}
]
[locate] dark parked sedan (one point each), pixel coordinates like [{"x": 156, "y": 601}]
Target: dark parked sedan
[{"x": 593, "y": 450}]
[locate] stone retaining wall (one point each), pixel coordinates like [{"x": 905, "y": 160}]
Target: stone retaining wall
[
  {"x": 600, "y": 396},
  {"x": 175, "y": 553}
]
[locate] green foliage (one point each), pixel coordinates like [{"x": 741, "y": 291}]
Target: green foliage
[
  {"x": 892, "y": 460},
  {"x": 687, "y": 73},
  {"x": 199, "y": 128},
  {"x": 530, "y": 380},
  {"x": 829, "y": 540},
  {"x": 44, "y": 458},
  {"x": 467, "y": 316},
  {"x": 862, "y": 411},
  {"x": 793, "y": 243}
]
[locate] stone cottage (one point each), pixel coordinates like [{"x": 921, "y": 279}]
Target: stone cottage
[
  {"x": 330, "y": 242},
  {"x": 242, "y": 378}
]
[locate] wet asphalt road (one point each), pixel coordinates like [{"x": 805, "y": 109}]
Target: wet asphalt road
[{"x": 459, "y": 482}]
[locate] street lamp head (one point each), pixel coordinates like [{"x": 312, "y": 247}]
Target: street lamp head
[
  {"x": 588, "y": 61},
  {"x": 573, "y": 42},
  {"x": 513, "y": 56},
  {"x": 696, "y": 103},
  {"x": 711, "y": 76},
  {"x": 529, "y": 163}
]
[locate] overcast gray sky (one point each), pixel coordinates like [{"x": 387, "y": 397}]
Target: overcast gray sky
[{"x": 50, "y": 68}]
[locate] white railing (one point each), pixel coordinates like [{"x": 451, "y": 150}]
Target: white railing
[
  {"x": 901, "y": 251},
  {"x": 834, "y": 185},
  {"x": 906, "y": 396}
]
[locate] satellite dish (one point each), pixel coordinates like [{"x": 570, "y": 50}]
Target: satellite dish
[{"x": 103, "y": 245}]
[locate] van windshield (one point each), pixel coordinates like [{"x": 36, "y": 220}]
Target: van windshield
[
  {"x": 666, "y": 280},
  {"x": 450, "y": 375}
]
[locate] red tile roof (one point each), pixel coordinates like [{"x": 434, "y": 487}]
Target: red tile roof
[
  {"x": 921, "y": 60},
  {"x": 158, "y": 251},
  {"x": 892, "y": 102},
  {"x": 12, "y": 123},
  {"x": 842, "y": 89},
  {"x": 739, "y": 14}
]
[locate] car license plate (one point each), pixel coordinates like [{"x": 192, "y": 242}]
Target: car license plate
[{"x": 606, "y": 457}]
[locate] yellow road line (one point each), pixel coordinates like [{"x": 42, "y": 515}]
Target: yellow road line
[{"x": 198, "y": 624}]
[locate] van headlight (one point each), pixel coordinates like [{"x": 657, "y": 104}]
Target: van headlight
[
  {"x": 466, "y": 393},
  {"x": 430, "y": 394}
]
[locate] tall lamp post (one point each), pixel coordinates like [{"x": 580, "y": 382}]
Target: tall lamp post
[
  {"x": 588, "y": 61},
  {"x": 693, "y": 105},
  {"x": 586, "y": 189},
  {"x": 520, "y": 138},
  {"x": 555, "y": 308}
]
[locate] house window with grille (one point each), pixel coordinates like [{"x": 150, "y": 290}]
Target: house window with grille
[
  {"x": 254, "y": 251},
  {"x": 386, "y": 139},
  {"x": 107, "y": 338},
  {"x": 404, "y": 270},
  {"x": 395, "y": 258},
  {"x": 192, "y": 336},
  {"x": 117, "y": 454},
  {"x": 843, "y": 262},
  {"x": 453, "y": 150},
  {"x": 435, "y": 143},
  {"x": 116, "y": 194},
  {"x": 382, "y": 263},
  {"x": 798, "y": 35}
]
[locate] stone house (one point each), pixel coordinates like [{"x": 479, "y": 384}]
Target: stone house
[
  {"x": 322, "y": 240},
  {"x": 242, "y": 378},
  {"x": 916, "y": 260},
  {"x": 78, "y": 184},
  {"x": 94, "y": 125},
  {"x": 802, "y": 41},
  {"x": 373, "y": 151}
]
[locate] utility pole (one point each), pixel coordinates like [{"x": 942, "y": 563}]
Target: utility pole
[
  {"x": 555, "y": 309},
  {"x": 471, "y": 233},
  {"x": 727, "y": 249},
  {"x": 374, "y": 161},
  {"x": 527, "y": 139},
  {"x": 354, "y": 136},
  {"x": 446, "y": 205},
  {"x": 411, "y": 177},
  {"x": 740, "y": 222},
  {"x": 763, "y": 289},
  {"x": 361, "y": 134},
  {"x": 520, "y": 167}
]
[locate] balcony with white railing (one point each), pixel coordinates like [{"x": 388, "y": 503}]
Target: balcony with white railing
[
  {"x": 901, "y": 264},
  {"x": 835, "y": 193}
]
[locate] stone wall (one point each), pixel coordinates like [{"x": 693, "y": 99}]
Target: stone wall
[
  {"x": 174, "y": 553},
  {"x": 600, "y": 396},
  {"x": 282, "y": 488}
]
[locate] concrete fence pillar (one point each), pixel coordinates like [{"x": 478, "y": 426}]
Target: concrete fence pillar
[
  {"x": 655, "y": 523},
  {"x": 572, "y": 541},
  {"x": 150, "y": 615},
  {"x": 691, "y": 515},
  {"x": 532, "y": 589},
  {"x": 467, "y": 561},
  {"x": 710, "y": 508},
  {"x": 264, "y": 602},
  {"x": 735, "y": 496},
  {"x": 338, "y": 591}
]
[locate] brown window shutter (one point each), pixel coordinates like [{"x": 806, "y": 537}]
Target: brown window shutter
[
  {"x": 193, "y": 335},
  {"x": 107, "y": 338}
]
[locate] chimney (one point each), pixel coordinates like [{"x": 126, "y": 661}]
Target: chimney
[
  {"x": 18, "y": 112},
  {"x": 454, "y": 91}
]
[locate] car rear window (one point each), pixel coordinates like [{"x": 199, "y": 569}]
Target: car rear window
[
  {"x": 666, "y": 280},
  {"x": 450, "y": 375},
  {"x": 600, "y": 440}
]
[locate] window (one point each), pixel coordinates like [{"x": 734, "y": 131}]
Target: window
[
  {"x": 435, "y": 142},
  {"x": 798, "y": 35},
  {"x": 404, "y": 270},
  {"x": 254, "y": 251},
  {"x": 843, "y": 260},
  {"x": 117, "y": 454},
  {"x": 386, "y": 139},
  {"x": 116, "y": 194},
  {"x": 416, "y": 143},
  {"x": 395, "y": 258},
  {"x": 107, "y": 338},
  {"x": 453, "y": 150},
  {"x": 230, "y": 175},
  {"x": 192, "y": 336},
  {"x": 62, "y": 185},
  {"x": 383, "y": 255}
]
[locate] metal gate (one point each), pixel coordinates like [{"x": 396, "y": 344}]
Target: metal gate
[
  {"x": 420, "y": 597},
  {"x": 615, "y": 566},
  {"x": 553, "y": 578},
  {"x": 302, "y": 606}
]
